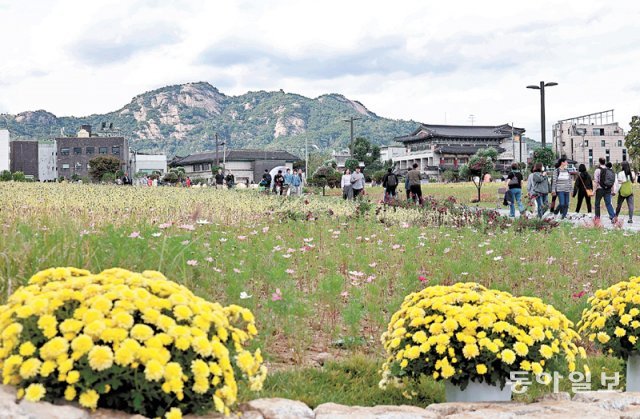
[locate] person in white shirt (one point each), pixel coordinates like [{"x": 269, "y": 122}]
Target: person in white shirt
[
  {"x": 624, "y": 189},
  {"x": 345, "y": 183}
]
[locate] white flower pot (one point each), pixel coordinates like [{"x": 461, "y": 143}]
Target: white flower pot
[
  {"x": 477, "y": 392},
  {"x": 633, "y": 373}
]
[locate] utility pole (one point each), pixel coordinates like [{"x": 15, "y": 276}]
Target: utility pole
[
  {"x": 350, "y": 120},
  {"x": 217, "y": 156}
]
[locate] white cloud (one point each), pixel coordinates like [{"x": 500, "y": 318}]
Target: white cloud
[{"x": 411, "y": 60}]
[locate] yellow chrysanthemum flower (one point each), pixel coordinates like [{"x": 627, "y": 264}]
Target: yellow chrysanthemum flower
[
  {"x": 89, "y": 399},
  {"x": 34, "y": 392}
]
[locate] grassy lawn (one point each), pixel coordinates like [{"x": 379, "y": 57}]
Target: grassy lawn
[{"x": 340, "y": 271}]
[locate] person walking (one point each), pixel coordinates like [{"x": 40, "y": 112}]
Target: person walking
[
  {"x": 219, "y": 179},
  {"x": 345, "y": 184},
  {"x": 625, "y": 189},
  {"x": 389, "y": 183},
  {"x": 231, "y": 180},
  {"x": 288, "y": 178},
  {"x": 562, "y": 187},
  {"x": 278, "y": 181},
  {"x": 357, "y": 182},
  {"x": 583, "y": 188},
  {"x": 540, "y": 188},
  {"x": 604, "y": 179},
  {"x": 413, "y": 179},
  {"x": 514, "y": 183},
  {"x": 296, "y": 183}
]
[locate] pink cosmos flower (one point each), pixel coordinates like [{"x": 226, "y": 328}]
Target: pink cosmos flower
[
  {"x": 579, "y": 294},
  {"x": 184, "y": 242},
  {"x": 209, "y": 259},
  {"x": 344, "y": 294},
  {"x": 134, "y": 235},
  {"x": 242, "y": 237},
  {"x": 189, "y": 227},
  {"x": 370, "y": 278},
  {"x": 276, "y": 296},
  {"x": 165, "y": 225},
  {"x": 290, "y": 271},
  {"x": 422, "y": 278},
  {"x": 265, "y": 229},
  {"x": 192, "y": 262},
  {"x": 395, "y": 246}
]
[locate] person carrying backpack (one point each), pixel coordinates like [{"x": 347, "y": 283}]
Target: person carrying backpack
[
  {"x": 390, "y": 183},
  {"x": 540, "y": 189},
  {"x": 514, "y": 184},
  {"x": 604, "y": 179},
  {"x": 625, "y": 191}
]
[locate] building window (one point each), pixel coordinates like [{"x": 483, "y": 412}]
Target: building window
[
  {"x": 88, "y": 166},
  {"x": 564, "y": 143},
  {"x": 65, "y": 166},
  {"x": 78, "y": 166},
  {"x": 77, "y": 150},
  {"x": 115, "y": 150},
  {"x": 102, "y": 150},
  {"x": 64, "y": 151},
  {"x": 90, "y": 150},
  {"x": 598, "y": 131},
  {"x": 206, "y": 166},
  {"x": 607, "y": 155},
  {"x": 586, "y": 143},
  {"x": 624, "y": 155},
  {"x": 196, "y": 167},
  {"x": 603, "y": 143},
  {"x": 619, "y": 143}
]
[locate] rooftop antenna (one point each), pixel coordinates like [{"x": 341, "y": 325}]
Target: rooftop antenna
[{"x": 472, "y": 118}]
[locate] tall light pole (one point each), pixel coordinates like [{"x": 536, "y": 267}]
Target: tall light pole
[
  {"x": 582, "y": 132},
  {"x": 350, "y": 120},
  {"x": 306, "y": 155},
  {"x": 542, "y": 122}
]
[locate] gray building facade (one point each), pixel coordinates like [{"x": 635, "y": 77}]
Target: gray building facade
[
  {"x": 24, "y": 157},
  {"x": 75, "y": 153}
]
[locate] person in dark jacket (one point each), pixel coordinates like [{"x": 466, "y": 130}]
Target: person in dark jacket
[
  {"x": 583, "y": 182},
  {"x": 390, "y": 183},
  {"x": 514, "y": 183}
]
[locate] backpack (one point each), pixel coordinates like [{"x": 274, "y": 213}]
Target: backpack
[
  {"x": 626, "y": 189},
  {"x": 607, "y": 178},
  {"x": 392, "y": 180},
  {"x": 514, "y": 180}
]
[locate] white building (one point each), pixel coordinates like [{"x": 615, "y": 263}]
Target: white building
[
  {"x": 245, "y": 165},
  {"x": 147, "y": 163},
  {"x": 47, "y": 170},
  {"x": 389, "y": 152},
  {"x": 5, "y": 151},
  {"x": 586, "y": 138}
]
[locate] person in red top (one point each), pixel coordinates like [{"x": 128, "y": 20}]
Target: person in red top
[{"x": 188, "y": 182}]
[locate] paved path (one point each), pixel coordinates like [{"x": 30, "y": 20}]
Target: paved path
[{"x": 583, "y": 219}]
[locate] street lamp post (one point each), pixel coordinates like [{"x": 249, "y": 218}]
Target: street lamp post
[{"x": 542, "y": 116}]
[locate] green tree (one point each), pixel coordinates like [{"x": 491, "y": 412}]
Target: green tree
[
  {"x": 364, "y": 151},
  {"x": 632, "y": 139},
  {"x": 544, "y": 155},
  {"x": 481, "y": 163},
  {"x": 351, "y": 164},
  {"x": 103, "y": 164},
  {"x": 323, "y": 176},
  {"x": 19, "y": 176}
]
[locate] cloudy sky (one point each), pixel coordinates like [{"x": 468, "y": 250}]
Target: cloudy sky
[{"x": 431, "y": 61}]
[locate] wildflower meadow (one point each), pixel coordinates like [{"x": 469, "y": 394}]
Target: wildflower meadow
[{"x": 318, "y": 275}]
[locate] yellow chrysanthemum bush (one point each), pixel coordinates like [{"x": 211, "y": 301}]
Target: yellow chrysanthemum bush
[
  {"x": 130, "y": 341},
  {"x": 466, "y": 332},
  {"x": 612, "y": 321}
]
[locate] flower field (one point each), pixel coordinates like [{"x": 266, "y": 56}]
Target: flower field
[{"x": 318, "y": 273}]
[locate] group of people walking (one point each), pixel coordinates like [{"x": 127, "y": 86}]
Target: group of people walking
[
  {"x": 289, "y": 183},
  {"x": 604, "y": 185}
]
